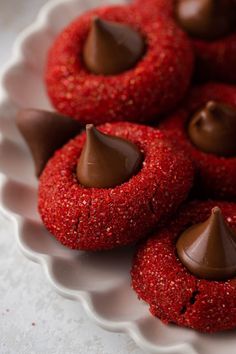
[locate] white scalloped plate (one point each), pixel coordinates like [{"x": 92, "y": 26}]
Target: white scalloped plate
[{"x": 99, "y": 281}]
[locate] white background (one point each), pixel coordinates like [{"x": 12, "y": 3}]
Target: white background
[{"x": 33, "y": 319}]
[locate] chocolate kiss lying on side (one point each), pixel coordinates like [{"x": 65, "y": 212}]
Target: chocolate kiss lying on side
[{"x": 44, "y": 133}]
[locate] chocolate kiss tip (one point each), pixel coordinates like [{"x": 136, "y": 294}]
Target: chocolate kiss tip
[
  {"x": 89, "y": 127},
  {"x": 216, "y": 210},
  {"x": 97, "y": 21},
  {"x": 208, "y": 250},
  {"x": 211, "y": 105},
  {"x": 106, "y": 161}
]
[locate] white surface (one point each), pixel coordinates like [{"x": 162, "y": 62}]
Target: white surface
[{"x": 61, "y": 326}]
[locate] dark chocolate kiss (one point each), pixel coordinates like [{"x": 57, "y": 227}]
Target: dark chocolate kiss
[
  {"x": 207, "y": 19},
  {"x": 112, "y": 48},
  {"x": 45, "y": 132},
  {"x": 213, "y": 129},
  {"x": 107, "y": 161},
  {"x": 208, "y": 250}
]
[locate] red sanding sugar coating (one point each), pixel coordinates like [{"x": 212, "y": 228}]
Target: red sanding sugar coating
[
  {"x": 216, "y": 175},
  {"x": 153, "y": 9},
  {"x": 175, "y": 295},
  {"x": 215, "y": 59},
  {"x": 155, "y": 85},
  {"x": 96, "y": 219}
]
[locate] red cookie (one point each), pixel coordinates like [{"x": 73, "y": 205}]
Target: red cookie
[
  {"x": 173, "y": 293},
  {"x": 216, "y": 175},
  {"x": 215, "y": 59},
  {"x": 96, "y": 219},
  {"x": 154, "y": 86}
]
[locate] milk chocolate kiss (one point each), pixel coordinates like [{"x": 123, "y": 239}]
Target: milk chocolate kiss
[
  {"x": 111, "y": 47},
  {"x": 213, "y": 129},
  {"x": 45, "y": 132},
  {"x": 206, "y": 19},
  {"x": 208, "y": 250},
  {"x": 107, "y": 161}
]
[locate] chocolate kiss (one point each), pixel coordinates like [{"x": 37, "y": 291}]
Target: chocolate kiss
[
  {"x": 45, "y": 132},
  {"x": 206, "y": 19},
  {"x": 208, "y": 250},
  {"x": 213, "y": 129},
  {"x": 107, "y": 161},
  {"x": 111, "y": 47}
]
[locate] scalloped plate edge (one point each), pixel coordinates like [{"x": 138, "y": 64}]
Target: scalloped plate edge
[{"x": 85, "y": 298}]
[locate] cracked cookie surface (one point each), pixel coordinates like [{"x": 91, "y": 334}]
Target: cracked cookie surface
[{"x": 172, "y": 292}]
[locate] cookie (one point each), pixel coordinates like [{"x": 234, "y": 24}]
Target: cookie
[
  {"x": 143, "y": 85},
  {"x": 211, "y": 25},
  {"x": 174, "y": 293},
  {"x": 216, "y": 170},
  {"x": 84, "y": 217}
]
